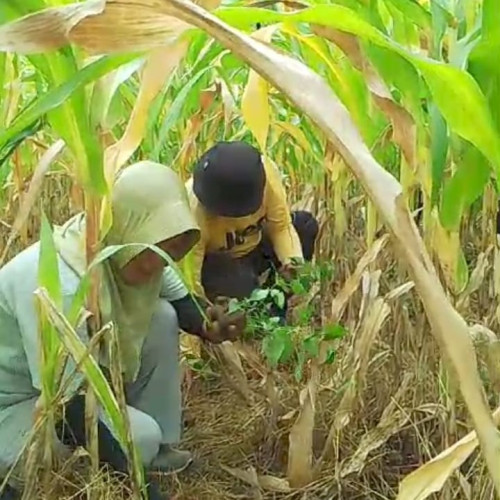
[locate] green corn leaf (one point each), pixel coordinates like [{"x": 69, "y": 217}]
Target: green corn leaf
[
  {"x": 466, "y": 186},
  {"x": 414, "y": 12},
  {"x": 273, "y": 347},
  {"x": 48, "y": 271},
  {"x": 88, "y": 365},
  {"x": 439, "y": 151},
  {"x": 490, "y": 25},
  {"x": 176, "y": 108},
  {"x": 58, "y": 97}
]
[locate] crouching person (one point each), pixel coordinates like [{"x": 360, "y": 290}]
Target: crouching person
[
  {"x": 246, "y": 225},
  {"x": 147, "y": 303}
]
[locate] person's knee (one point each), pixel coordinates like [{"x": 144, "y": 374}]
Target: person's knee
[
  {"x": 307, "y": 228},
  {"x": 146, "y": 434}
]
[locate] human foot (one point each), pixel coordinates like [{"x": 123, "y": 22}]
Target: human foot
[{"x": 170, "y": 460}]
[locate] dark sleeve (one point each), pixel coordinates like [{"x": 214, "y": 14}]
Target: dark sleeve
[{"x": 189, "y": 317}]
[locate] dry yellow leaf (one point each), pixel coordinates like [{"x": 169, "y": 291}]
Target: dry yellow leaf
[
  {"x": 399, "y": 291},
  {"x": 137, "y": 25},
  {"x": 430, "y": 477},
  {"x": 231, "y": 363},
  {"x": 255, "y": 100},
  {"x": 160, "y": 64},
  {"x": 265, "y": 482},
  {"x": 352, "y": 283},
  {"x": 29, "y": 199},
  {"x": 300, "y": 457},
  {"x": 189, "y": 345},
  {"x": 47, "y": 29},
  {"x": 447, "y": 247},
  {"x": 228, "y": 103}
]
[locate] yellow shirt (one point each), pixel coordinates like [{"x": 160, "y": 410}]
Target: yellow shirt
[{"x": 239, "y": 236}]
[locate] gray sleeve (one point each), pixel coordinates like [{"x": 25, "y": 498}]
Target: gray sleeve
[
  {"x": 28, "y": 321},
  {"x": 172, "y": 286}
]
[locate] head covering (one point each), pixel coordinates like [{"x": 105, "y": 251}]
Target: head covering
[
  {"x": 149, "y": 205},
  {"x": 229, "y": 179}
]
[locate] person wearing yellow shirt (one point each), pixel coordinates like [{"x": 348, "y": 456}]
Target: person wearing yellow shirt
[{"x": 240, "y": 205}]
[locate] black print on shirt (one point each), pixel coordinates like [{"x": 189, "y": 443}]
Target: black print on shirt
[{"x": 236, "y": 238}]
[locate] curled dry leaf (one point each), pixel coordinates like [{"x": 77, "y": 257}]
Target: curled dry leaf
[
  {"x": 248, "y": 476},
  {"x": 265, "y": 482},
  {"x": 352, "y": 283},
  {"x": 138, "y": 25},
  {"x": 399, "y": 291},
  {"x": 273, "y": 483},
  {"x": 430, "y": 477},
  {"x": 47, "y": 29},
  {"x": 370, "y": 284},
  {"x": 189, "y": 345},
  {"x": 300, "y": 451}
]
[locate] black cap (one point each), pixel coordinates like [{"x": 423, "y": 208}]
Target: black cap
[{"x": 229, "y": 179}]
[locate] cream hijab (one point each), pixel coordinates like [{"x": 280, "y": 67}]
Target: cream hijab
[{"x": 149, "y": 205}]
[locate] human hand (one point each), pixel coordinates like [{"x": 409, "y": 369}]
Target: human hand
[
  {"x": 289, "y": 270},
  {"x": 223, "y": 325}
]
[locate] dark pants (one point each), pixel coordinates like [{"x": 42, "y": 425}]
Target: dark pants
[{"x": 226, "y": 276}]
